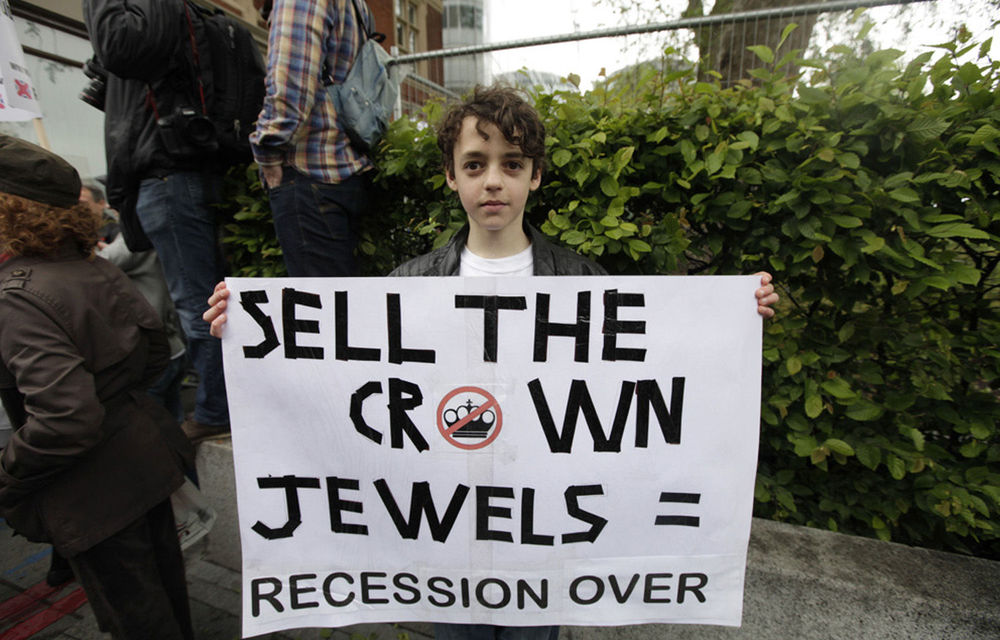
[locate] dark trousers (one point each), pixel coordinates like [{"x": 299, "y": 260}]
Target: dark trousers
[
  {"x": 135, "y": 580},
  {"x": 176, "y": 213},
  {"x": 317, "y": 223}
]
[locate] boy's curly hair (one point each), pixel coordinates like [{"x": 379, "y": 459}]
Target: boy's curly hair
[
  {"x": 29, "y": 228},
  {"x": 508, "y": 111}
]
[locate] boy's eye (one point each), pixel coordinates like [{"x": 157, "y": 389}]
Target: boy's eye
[
  {"x": 514, "y": 165},
  {"x": 472, "y": 165}
]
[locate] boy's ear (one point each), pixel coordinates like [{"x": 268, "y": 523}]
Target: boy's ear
[
  {"x": 536, "y": 178},
  {"x": 449, "y": 176}
]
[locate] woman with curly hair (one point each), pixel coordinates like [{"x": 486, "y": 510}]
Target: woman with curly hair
[{"x": 92, "y": 460}]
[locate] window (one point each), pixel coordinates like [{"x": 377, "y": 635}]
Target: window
[
  {"x": 470, "y": 17},
  {"x": 407, "y": 27}
]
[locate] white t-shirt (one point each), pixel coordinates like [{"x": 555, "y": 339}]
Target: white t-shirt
[{"x": 519, "y": 264}]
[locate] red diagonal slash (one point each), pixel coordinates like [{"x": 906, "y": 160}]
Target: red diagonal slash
[{"x": 469, "y": 418}]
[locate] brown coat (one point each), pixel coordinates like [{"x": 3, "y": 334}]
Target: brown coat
[{"x": 80, "y": 345}]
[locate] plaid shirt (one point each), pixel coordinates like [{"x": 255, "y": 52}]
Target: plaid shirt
[{"x": 298, "y": 125}]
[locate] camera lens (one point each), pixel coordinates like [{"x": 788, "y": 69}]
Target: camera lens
[
  {"x": 95, "y": 93},
  {"x": 96, "y": 90},
  {"x": 200, "y": 131}
]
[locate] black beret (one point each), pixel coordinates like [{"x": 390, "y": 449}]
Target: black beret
[{"x": 31, "y": 172}]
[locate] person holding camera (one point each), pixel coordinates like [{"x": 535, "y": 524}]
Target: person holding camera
[{"x": 164, "y": 168}]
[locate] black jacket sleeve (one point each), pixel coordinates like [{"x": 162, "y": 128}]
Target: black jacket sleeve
[{"x": 134, "y": 38}]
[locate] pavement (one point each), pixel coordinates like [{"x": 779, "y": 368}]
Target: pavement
[{"x": 29, "y": 608}]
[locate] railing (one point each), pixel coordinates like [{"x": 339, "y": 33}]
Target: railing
[{"x": 715, "y": 43}]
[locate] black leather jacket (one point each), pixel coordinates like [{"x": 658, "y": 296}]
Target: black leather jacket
[{"x": 549, "y": 259}]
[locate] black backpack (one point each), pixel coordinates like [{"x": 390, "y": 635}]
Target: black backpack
[{"x": 229, "y": 72}]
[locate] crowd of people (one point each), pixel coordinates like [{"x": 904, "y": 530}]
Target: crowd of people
[{"x": 96, "y": 324}]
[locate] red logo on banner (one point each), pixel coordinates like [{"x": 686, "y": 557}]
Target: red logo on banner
[
  {"x": 23, "y": 89},
  {"x": 472, "y": 421}
]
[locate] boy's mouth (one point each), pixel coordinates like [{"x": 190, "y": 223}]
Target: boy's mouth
[{"x": 494, "y": 204}]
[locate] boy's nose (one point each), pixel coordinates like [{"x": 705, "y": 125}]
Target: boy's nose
[{"x": 494, "y": 178}]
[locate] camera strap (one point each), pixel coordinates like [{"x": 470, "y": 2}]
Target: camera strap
[{"x": 151, "y": 98}]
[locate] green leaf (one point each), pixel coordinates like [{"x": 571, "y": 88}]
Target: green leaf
[
  {"x": 957, "y": 230},
  {"x": 714, "y": 162},
  {"x": 657, "y": 136},
  {"x": 786, "y": 32},
  {"x": 869, "y": 455},
  {"x": 849, "y": 160},
  {"x": 762, "y": 52},
  {"x": 688, "y": 151},
  {"x": 847, "y": 222},
  {"x": 838, "y": 388},
  {"x": 863, "y": 411},
  {"x": 813, "y": 96},
  {"x": 609, "y": 186},
  {"x": 904, "y": 194},
  {"x": 897, "y": 468},
  {"x": 839, "y": 446},
  {"x": 760, "y": 492},
  {"x": 814, "y": 406},
  {"x": 561, "y": 157},
  {"x": 926, "y": 128},
  {"x": 794, "y": 365}
]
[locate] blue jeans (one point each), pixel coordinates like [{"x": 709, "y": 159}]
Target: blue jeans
[
  {"x": 317, "y": 223},
  {"x": 175, "y": 213},
  {"x": 448, "y": 631}
]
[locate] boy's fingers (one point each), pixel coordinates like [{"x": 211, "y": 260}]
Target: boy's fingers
[
  {"x": 217, "y": 325},
  {"x": 213, "y": 311},
  {"x": 768, "y": 300}
]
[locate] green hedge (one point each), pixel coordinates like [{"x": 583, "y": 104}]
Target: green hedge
[{"x": 871, "y": 194}]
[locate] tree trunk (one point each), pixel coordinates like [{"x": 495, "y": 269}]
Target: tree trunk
[{"x": 723, "y": 47}]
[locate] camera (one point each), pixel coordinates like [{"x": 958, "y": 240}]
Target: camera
[
  {"x": 187, "y": 133},
  {"x": 96, "y": 90}
]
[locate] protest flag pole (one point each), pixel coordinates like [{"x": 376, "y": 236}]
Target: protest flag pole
[{"x": 43, "y": 138}]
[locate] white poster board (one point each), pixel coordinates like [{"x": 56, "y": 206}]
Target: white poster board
[
  {"x": 17, "y": 93},
  {"x": 515, "y": 451}
]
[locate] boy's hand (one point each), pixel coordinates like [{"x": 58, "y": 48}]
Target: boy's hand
[
  {"x": 216, "y": 309},
  {"x": 765, "y": 295}
]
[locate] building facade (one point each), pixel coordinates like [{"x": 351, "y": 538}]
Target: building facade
[{"x": 465, "y": 25}]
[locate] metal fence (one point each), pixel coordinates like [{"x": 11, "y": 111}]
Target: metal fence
[{"x": 715, "y": 45}]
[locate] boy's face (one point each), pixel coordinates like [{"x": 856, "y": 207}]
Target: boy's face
[{"x": 492, "y": 177}]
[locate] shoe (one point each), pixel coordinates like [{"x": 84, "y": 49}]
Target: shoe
[
  {"x": 59, "y": 571},
  {"x": 198, "y": 432}
]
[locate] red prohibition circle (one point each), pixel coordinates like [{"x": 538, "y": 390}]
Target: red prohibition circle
[{"x": 490, "y": 403}]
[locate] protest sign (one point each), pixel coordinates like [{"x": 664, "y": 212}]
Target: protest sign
[
  {"x": 516, "y": 451},
  {"x": 17, "y": 94}
]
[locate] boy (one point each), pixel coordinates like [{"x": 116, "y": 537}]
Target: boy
[{"x": 493, "y": 147}]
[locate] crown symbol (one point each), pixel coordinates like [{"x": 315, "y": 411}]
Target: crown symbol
[{"x": 478, "y": 427}]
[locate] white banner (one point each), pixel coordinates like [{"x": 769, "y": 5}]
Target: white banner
[
  {"x": 17, "y": 93},
  {"x": 515, "y": 451}
]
